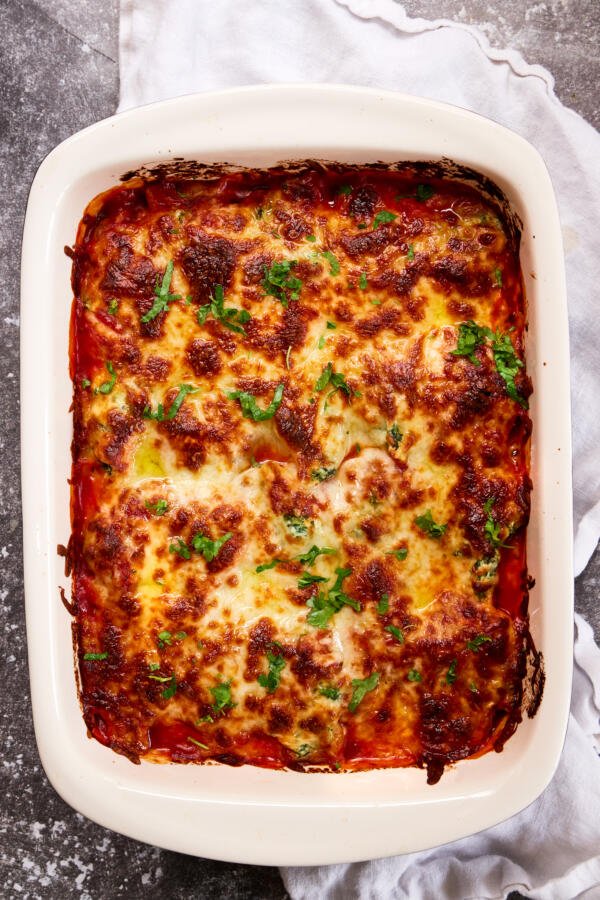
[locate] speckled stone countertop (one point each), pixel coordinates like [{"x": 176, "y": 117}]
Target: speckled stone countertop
[{"x": 59, "y": 72}]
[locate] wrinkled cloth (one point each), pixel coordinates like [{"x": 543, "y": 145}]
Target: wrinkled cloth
[{"x": 174, "y": 47}]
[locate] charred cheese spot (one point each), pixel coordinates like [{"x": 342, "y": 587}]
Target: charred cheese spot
[{"x": 339, "y": 581}]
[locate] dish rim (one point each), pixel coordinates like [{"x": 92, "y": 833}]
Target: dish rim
[{"x": 361, "y": 818}]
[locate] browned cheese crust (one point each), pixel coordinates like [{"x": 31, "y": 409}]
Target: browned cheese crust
[{"x": 266, "y": 363}]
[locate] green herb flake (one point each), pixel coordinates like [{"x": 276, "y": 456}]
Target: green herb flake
[
  {"x": 336, "y": 380},
  {"x": 498, "y": 277},
  {"x": 107, "y": 386},
  {"x": 208, "y": 548},
  {"x": 323, "y": 474},
  {"x": 410, "y": 254},
  {"x": 85, "y": 383},
  {"x": 429, "y": 527},
  {"x": 334, "y": 265},
  {"x": 400, "y": 554},
  {"x": 180, "y": 547},
  {"x": 270, "y": 680},
  {"x": 162, "y": 295},
  {"x": 396, "y": 632},
  {"x": 221, "y": 693},
  {"x": 197, "y": 743},
  {"x": 321, "y": 343},
  {"x": 383, "y": 605},
  {"x": 309, "y": 558},
  {"x": 383, "y": 218},
  {"x": 170, "y": 690},
  {"x": 231, "y": 317},
  {"x": 279, "y": 282},
  {"x": 470, "y": 337},
  {"x": 160, "y": 507},
  {"x": 268, "y": 565},
  {"x": 180, "y": 635},
  {"x": 311, "y": 238},
  {"x": 296, "y": 524},
  {"x": 345, "y": 190},
  {"x": 154, "y": 667},
  {"x": 323, "y": 606},
  {"x": 507, "y": 365},
  {"x": 477, "y": 641},
  {"x": 113, "y": 306},
  {"x": 451, "y": 673},
  {"x": 395, "y": 436},
  {"x": 414, "y": 675},
  {"x": 163, "y": 679},
  {"x": 331, "y": 325},
  {"x": 424, "y": 192},
  {"x": 492, "y": 528},
  {"x": 329, "y": 691},
  {"x": 160, "y": 415},
  {"x": 360, "y": 688},
  {"x": 473, "y": 687},
  {"x": 93, "y": 657},
  {"x": 250, "y": 408},
  {"x": 363, "y": 281},
  {"x": 307, "y": 579},
  {"x": 164, "y": 639}
]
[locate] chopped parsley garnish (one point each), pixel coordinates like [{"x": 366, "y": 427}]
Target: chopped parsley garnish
[
  {"x": 160, "y": 415},
  {"x": 410, "y": 254},
  {"x": 180, "y": 635},
  {"x": 258, "y": 212},
  {"x": 270, "y": 681},
  {"x": 424, "y": 192},
  {"x": 160, "y": 507},
  {"x": 395, "y": 632},
  {"x": 345, "y": 189},
  {"x": 334, "y": 266},
  {"x": 414, "y": 675},
  {"x": 321, "y": 343},
  {"x": 431, "y": 528},
  {"x": 180, "y": 548},
  {"x": 221, "y": 693},
  {"x": 306, "y": 579},
  {"x": 329, "y": 691},
  {"x": 163, "y": 679},
  {"x": 311, "y": 555},
  {"x": 471, "y": 336},
  {"x": 296, "y": 524},
  {"x": 383, "y": 218},
  {"x": 197, "y": 743},
  {"x": 325, "y": 605},
  {"x": 154, "y": 667},
  {"x": 492, "y": 528},
  {"x": 279, "y": 282},
  {"x": 230, "y": 317},
  {"x": 362, "y": 281},
  {"x": 170, "y": 690},
  {"x": 91, "y": 657},
  {"x": 311, "y": 238},
  {"x": 113, "y": 306},
  {"x": 400, "y": 554},
  {"x": 336, "y": 380},
  {"x": 250, "y": 408},
  {"x": 451, "y": 673},
  {"x": 85, "y": 383},
  {"x": 304, "y": 750},
  {"x": 360, "y": 688},
  {"x": 162, "y": 295},
  {"x": 323, "y": 474},
  {"x": 395, "y": 436},
  {"x": 268, "y": 565},
  {"x": 165, "y": 639},
  {"x": 473, "y": 687},
  {"x": 477, "y": 641},
  {"x": 107, "y": 386},
  {"x": 331, "y": 325},
  {"x": 384, "y": 604},
  {"x": 498, "y": 277},
  {"x": 507, "y": 364},
  {"x": 208, "y": 548}
]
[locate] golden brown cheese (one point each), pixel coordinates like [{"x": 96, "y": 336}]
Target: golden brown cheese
[{"x": 300, "y": 469}]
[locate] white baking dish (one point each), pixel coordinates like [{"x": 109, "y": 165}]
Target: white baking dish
[{"x": 249, "y": 814}]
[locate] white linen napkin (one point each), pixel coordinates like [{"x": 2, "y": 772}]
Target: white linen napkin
[{"x": 173, "y": 47}]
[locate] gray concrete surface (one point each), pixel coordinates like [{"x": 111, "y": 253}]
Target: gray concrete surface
[{"x": 59, "y": 72}]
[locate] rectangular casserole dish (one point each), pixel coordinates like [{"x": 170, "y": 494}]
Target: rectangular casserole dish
[{"x": 288, "y": 817}]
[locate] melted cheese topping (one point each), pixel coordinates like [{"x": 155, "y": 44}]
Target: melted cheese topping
[{"x": 409, "y": 467}]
